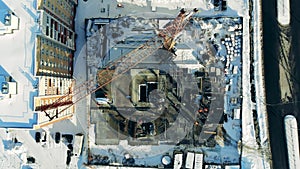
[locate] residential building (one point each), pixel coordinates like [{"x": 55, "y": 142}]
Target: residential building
[{"x": 55, "y": 47}]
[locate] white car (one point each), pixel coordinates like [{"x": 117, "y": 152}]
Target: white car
[{"x": 103, "y": 101}]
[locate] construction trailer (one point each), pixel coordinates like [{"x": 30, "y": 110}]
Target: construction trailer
[{"x": 78, "y": 143}]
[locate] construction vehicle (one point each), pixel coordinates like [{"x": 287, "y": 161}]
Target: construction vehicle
[{"x": 105, "y": 76}]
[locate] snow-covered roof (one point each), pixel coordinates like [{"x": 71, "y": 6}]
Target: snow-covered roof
[
  {"x": 16, "y": 60},
  {"x": 185, "y": 59},
  {"x": 283, "y": 10},
  {"x": 232, "y": 167}
]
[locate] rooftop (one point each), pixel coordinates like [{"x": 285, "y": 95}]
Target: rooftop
[{"x": 17, "y": 111}]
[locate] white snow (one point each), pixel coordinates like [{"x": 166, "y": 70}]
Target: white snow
[
  {"x": 136, "y": 2},
  {"x": 147, "y": 155},
  {"x": 17, "y": 54},
  {"x": 252, "y": 156},
  {"x": 46, "y": 155}
]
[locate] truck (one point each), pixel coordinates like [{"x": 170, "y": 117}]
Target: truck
[
  {"x": 178, "y": 157},
  {"x": 189, "y": 162},
  {"x": 78, "y": 143},
  {"x": 198, "y": 160}
]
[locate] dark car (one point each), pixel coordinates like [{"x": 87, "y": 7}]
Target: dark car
[
  {"x": 38, "y": 137},
  {"x": 68, "y": 157},
  {"x": 30, "y": 160},
  {"x": 44, "y": 135},
  {"x": 216, "y": 5},
  {"x": 70, "y": 147},
  {"x": 57, "y": 137},
  {"x": 68, "y": 137},
  {"x": 224, "y": 5}
]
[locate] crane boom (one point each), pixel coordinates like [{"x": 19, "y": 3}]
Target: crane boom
[
  {"x": 175, "y": 27},
  {"x": 122, "y": 65}
]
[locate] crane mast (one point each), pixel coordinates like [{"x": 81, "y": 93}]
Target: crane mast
[{"x": 128, "y": 61}]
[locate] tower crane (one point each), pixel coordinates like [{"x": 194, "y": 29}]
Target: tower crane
[{"x": 168, "y": 36}]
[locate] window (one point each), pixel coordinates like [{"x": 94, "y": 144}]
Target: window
[
  {"x": 51, "y": 33},
  {"x": 47, "y": 20},
  {"x": 47, "y": 30}
]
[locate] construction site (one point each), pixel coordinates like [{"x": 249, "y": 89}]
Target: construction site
[
  {"x": 143, "y": 84},
  {"x": 165, "y": 84}
]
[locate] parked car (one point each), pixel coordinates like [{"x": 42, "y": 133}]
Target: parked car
[
  {"x": 67, "y": 137},
  {"x": 30, "y": 160},
  {"x": 38, "y": 137},
  {"x": 44, "y": 136},
  {"x": 57, "y": 137}
]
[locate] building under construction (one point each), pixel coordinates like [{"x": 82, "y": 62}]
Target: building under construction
[
  {"x": 148, "y": 95},
  {"x": 152, "y": 97},
  {"x": 145, "y": 100}
]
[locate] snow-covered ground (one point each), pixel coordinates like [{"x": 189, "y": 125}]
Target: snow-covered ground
[
  {"x": 47, "y": 155},
  {"x": 17, "y": 58},
  {"x": 17, "y": 51},
  {"x": 253, "y": 155}
]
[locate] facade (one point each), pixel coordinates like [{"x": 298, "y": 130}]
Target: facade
[
  {"x": 55, "y": 46},
  {"x": 53, "y": 59}
]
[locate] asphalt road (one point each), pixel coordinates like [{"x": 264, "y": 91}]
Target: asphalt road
[{"x": 273, "y": 48}]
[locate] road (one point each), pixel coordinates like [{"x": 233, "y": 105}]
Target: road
[{"x": 281, "y": 58}]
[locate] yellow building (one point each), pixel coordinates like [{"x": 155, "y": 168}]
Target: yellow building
[
  {"x": 63, "y": 10},
  {"x": 55, "y": 47},
  {"x": 53, "y": 59}
]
